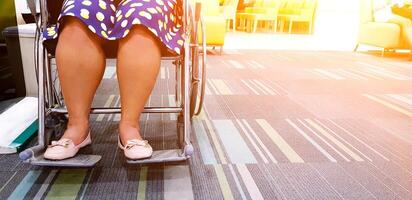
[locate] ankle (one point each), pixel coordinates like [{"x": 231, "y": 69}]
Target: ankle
[
  {"x": 129, "y": 125},
  {"x": 78, "y": 123},
  {"x": 77, "y": 131},
  {"x": 129, "y": 131}
]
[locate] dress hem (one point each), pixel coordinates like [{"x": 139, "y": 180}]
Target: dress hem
[{"x": 159, "y": 39}]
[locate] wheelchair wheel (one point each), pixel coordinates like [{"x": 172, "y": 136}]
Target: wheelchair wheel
[{"x": 198, "y": 68}]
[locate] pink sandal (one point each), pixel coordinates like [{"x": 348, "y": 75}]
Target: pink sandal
[
  {"x": 65, "y": 148},
  {"x": 136, "y": 149}
]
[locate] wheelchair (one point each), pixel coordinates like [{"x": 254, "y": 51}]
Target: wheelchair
[{"x": 189, "y": 91}]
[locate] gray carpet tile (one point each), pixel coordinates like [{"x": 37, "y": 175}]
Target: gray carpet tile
[
  {"x": 276, "y": 125},
  {"x": 205, "y": 183},
  {"x": 112, "y": 183},
  {"x": 343, "y": 183},
  {"x": 266, "y": 183},
  {"x": 307, "y": 182},
  {"x": 369, "y": 181}
]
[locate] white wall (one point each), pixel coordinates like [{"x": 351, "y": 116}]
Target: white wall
[{"x": 337, "y": 22}]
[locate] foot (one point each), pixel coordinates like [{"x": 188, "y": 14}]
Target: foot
[
  {"x": 131, "y": 142},
  {"x": 75, "y": 137},
  {"x": 65, "y": 148},
  {"x": 136, "y": 149}
]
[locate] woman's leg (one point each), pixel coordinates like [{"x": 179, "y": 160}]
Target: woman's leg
[
  {"x": 138, "y": 63},
  {"x": 80, "y": 62}
]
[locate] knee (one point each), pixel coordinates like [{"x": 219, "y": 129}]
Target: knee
[
  {"x": 141, "y": 33},
  {"x": 140, "y": 41},
  {"x": 75, "y": 31}
]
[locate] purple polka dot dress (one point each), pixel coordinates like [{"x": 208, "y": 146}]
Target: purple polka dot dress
[{"x": 113, "y": 19}]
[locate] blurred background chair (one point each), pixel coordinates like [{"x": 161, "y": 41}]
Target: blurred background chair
[
  {"x": 229, "y": 10},
  {"x": 265, "y": 11},
  {"x": 293, "y": 11},
  {"x": 275, "y": 13},
  {"x": 307, "y": 15},
  {"x": 391, "y": 34},
  {"x": 215, "y": 23}
]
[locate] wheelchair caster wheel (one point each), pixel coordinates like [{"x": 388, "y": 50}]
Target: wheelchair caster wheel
[
  {"x": 26, "y": 154},
  {"x": 189, "y": 150}
]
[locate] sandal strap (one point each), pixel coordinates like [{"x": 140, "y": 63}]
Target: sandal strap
[{"x": 135, "y": 142}]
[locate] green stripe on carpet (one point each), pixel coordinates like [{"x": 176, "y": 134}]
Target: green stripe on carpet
[
  {"x": 141, "y": 192},
  {"x": 67, "y": 184}
]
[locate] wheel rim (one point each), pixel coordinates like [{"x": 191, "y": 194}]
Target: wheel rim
[{"x": 195, "y": 100}]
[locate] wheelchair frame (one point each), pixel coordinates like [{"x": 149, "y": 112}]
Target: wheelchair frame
[{"x": 190, "y": 86}]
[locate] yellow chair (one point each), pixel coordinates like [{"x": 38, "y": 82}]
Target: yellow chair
[
  {"x": 298, "y": 11},
  {"x": 215, "y": 24},
  {"x": 307, "y": 14},
  {"x": 394, "y": 34},
  {"x": 229, "y": 10},
  {"x": 262, "y": 10}
]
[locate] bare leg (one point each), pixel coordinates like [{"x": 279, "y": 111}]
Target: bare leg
[
  {"x": 80, "y": 62},
  {"x": 138, "y": 63}
]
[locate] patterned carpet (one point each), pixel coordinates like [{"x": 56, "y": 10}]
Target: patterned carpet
[{"x": 276, "y": 125}]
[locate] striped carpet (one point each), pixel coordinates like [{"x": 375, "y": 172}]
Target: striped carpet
[{"x": 276, "y": 125}]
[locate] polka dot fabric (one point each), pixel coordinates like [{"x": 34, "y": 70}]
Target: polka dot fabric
[{"x": 113, "y": 21}]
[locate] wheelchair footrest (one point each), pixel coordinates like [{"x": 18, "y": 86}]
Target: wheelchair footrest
[
  {"x": 162, "y": 156},
  {"x": 77, "y": 161}
]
